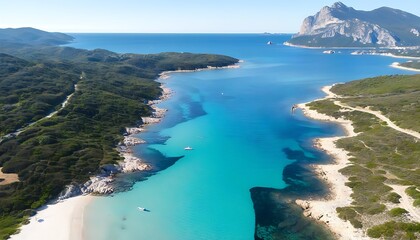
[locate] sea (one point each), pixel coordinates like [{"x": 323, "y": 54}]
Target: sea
[{"x": 251, "y": 153}]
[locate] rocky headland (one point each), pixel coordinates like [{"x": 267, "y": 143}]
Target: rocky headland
[{"x": 342, "y": 26}]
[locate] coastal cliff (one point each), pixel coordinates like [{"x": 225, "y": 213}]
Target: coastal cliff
[{"x": 343, "y": 26}]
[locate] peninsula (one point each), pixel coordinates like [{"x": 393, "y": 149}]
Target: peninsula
[
  {"x": 64, "y": 111},
  {"x": 374, "y": 179}
]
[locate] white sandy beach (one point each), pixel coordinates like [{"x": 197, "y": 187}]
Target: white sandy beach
[
  {"x": 165, "y": 75},
  {"x": 60, "y": 221},
  {"x": 397, "y": 65},
  {"x": 325, "y": 209}
]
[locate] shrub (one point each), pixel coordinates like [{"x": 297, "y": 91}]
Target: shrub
[
  {"x": 346, "y": 213},
  {"x": 393, "y": 197},
  {"x": 375, "y": 209},
  {"x": 356, "y": 223},
  {"x": 395, "y": 212},
  {"x": 388, "y": 229}
]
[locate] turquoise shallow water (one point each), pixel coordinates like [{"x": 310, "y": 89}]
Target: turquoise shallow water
[{"x": 239, "y": 123}]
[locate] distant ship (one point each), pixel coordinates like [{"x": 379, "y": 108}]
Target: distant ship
[
  {"x": 269, "y": 43},
  {"x": 188, "y": 148},
  {"x": 329, "y": 52}
]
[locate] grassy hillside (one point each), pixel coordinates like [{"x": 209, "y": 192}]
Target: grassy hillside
[
  {"x": 29, "y": 91},
  {"x": 71, "y": 146},
  {"x": 381, "y": 156},
  {"x": 33, "y": 36},
  {"x": 397, "y": 97}
]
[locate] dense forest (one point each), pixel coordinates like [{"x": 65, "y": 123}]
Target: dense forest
[{"x": 112, "y": 93}]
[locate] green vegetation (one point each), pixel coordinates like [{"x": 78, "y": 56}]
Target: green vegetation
[
  {"x": 395, "y": 230},
  {"x": 393, "y": 197},
  {"x": 412, "y": 64},
  {"x": 397, "y": 97},
  {"x": 379, "y": 86},
  {"x": 395, "y": 212},
  {"x": 112, "y": 93},
  {"x": 8, "y": 225},
  {"x": 415, "y": 194},
  {"x": 29, "y": 91},
  {"x": 380, "y": 155},
  {"x": 32, "y": 36}
]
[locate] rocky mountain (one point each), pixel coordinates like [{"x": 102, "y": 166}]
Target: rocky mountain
[
  {"x": 32, "y": 36},
  {"x": 343, "y": 26}
]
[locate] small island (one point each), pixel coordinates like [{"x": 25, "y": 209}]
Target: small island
[{"x": 374, "y": 180}]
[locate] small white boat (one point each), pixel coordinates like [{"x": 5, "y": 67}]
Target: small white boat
[
  {"x": 188, "y": 148},
  {"x": 142, "y": 209},
  {"x": 269, "y": 43}
]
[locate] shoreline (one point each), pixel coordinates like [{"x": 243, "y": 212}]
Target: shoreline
[
  {"x": 165, "y": 74},
  {"x": 324, "y": 210},
  {"x": 132, "y": 163},
  {"x": 398, "y": 66},
  {"x": 63, "y": 219},
  {"x": 343, "y": 48},
  {"x": 396, "y": 56},
  {"x": 362, "y": 48},
  {"x": 358, "y": 48}
]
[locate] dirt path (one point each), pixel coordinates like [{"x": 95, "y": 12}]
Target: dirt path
[
  {"x": 20, "y": 130},
  {"x": 382, "y": 117},
  {"x": 406, "y": 202},
  {"x": 378, "y": 114},
  {"x": 63, "y": 104}
]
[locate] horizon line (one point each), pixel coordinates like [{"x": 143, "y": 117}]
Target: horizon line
[
  {"x": 132, "y": 32},
  {"x": 266, "y": 33}
]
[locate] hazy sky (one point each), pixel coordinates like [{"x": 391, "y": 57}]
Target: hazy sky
[{"x": 170, "y": 16}]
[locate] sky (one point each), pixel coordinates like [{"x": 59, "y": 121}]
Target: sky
[{"x": 171, "y": 16}]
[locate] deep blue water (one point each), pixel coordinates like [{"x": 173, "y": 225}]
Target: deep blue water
[{"x": 239, "y": 123}]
